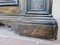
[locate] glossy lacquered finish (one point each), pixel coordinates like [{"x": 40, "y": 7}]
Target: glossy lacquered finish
[
  {"x": 35, "y": 19},
  {"x": 42, "y": 26}
]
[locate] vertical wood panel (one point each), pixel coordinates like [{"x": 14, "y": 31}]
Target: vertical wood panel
[{"x": 38, "y": 6}]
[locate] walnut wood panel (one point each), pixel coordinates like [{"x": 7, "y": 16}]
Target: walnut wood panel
[
  {"x": 9, "y": 9},
  {"x": 39, "y": 31}
]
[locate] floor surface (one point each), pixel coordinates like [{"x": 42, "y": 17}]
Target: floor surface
[{"x": 8, "y": 37}]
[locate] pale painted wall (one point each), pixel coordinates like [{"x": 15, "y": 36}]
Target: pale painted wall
[{"x": 56, "y": 13}]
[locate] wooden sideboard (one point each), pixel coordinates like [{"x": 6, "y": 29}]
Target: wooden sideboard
[{"x": 31, "y": 18}]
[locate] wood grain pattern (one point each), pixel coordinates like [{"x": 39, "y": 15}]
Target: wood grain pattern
[
  {"x": 39, "y": 31},
  {"x": 9, "y": 9}
]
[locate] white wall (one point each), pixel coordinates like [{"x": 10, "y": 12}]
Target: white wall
[{"x": 56, "y": 13}]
